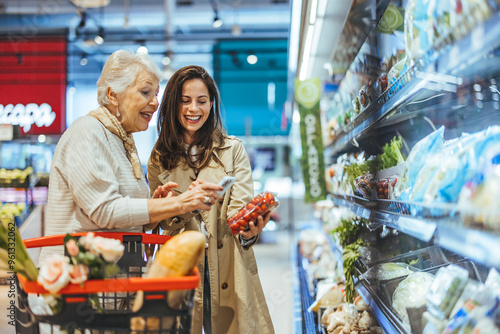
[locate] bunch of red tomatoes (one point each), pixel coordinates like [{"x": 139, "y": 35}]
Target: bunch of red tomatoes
[{"x": 259, "y": 206}]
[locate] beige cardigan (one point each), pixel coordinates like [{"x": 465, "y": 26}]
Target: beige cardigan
[{"x": 238, "y": 302}]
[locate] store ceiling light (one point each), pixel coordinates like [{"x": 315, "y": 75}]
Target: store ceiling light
[
  {"x": 217, "y": 22},
  {"x": 90, "y": 3},
  {"x": 99, "y": 39},
  {"x": 142, "y": 49},
  {"x": 252, "y": 59},
  {"x": 166, "y": 60}
]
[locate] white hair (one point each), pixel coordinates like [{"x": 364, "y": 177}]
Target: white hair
[{"x": 121, "y": 70}]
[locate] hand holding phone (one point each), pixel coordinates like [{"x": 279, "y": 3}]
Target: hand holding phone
[{"x": 226, "y": 183}]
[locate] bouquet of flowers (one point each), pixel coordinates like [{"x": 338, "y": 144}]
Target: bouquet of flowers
[{"x": 89, "y": 257}]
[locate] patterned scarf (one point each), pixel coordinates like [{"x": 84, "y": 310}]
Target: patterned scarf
[{"x": 112, "y": 124}]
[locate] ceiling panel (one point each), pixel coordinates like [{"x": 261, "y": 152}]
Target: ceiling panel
[{"x": 180, "y": 26}]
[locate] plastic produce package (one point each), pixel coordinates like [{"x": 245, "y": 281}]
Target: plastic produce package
[
  {"x": 468, "y": 159},
  {"x": 260, "y": 205},
  {"x": 476, "y": 307},
  {"x": 445, "y": 290},
  {"x": 417, "y": 23},
  {"x": 416, "y": 160},
  {"x": 479, "y": 196},
  {"x": 411, "y": 292},
  {"x": 387, "y": 271}
]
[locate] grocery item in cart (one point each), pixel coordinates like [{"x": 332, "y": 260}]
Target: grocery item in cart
[
  {"x": 110, "y": 301},
  {"x": 178, "y": 257},
  {"x": 259, "y": 206}
]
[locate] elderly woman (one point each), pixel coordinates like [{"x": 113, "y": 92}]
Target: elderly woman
[{"x": 96, "y": 179}]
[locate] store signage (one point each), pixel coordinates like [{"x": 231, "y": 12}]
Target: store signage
[
  {"x": 33, "y": 84},
  {"x": 307, "y": 96},
  {"x": 26, "y": 116}
]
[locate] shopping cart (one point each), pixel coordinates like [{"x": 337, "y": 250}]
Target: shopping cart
[{"x": 105, "y": 305}]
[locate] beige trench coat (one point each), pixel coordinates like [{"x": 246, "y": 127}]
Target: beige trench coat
[{"x": 237, "y": 301}]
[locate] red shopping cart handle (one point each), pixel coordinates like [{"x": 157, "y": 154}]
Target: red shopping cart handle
[
  {"x": 119, "y": 284},
  {"x": 56, "y": 240}
]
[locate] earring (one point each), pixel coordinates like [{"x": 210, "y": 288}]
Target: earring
[{"x": 117, "y": 112}]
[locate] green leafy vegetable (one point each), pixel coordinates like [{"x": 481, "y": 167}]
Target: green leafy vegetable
[
  {"x": 349, "y": 257},
  {"x": 349, "y": 230},
  {"x": 391, "y": 156}
]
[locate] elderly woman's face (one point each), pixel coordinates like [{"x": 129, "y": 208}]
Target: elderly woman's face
[
  {"x": 138, "y": 102},
  {"x": 195, "y": 107}
]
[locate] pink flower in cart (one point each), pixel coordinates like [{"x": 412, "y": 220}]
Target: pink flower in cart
[
  {"x": 110, "y": 249},
  {"x": 72, "y": 247},
  {"x": 54, "y": 273},
  {"x": 86, "y": 240},
  {"x": 78, "y": 274}
]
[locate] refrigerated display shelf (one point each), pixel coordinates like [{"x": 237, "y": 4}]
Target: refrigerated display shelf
[
  {"x": 441, "y": 222},
  {"x": 448, "y": 60},
  {"x": 297, "y": 301},
  {"x": 306, "y": 298},
  {"x": 389, "y": 322}
]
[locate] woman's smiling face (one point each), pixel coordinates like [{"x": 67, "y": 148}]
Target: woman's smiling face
[
  {"x": 195, "y": 107},
  {"x": 138, "y": 102}
]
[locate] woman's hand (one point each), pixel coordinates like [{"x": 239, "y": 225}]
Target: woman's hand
[
  {"x": 165, "y": 190},
  {"x": 254, "y": 230},
  {"x": 201, "y": 195}
]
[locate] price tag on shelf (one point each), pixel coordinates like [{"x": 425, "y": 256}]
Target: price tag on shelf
[{"x": 6, "y": 132}]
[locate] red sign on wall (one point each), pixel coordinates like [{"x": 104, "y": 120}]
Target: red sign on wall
[{"x": 33, "y": 84}]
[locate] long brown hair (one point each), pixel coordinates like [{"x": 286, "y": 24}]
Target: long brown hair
[{"x": 170, "y": 149}]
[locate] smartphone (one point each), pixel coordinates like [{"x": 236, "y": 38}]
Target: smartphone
[{"x": 226, "y": 183}]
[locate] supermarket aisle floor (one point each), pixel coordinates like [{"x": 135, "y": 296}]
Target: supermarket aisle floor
[{"x": 273, "y": 260}]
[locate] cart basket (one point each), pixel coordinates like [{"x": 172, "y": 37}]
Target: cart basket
[{"x": 105, "y": 305}]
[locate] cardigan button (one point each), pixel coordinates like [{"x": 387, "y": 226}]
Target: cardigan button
[
  {"x": 224, "y": 286},
  {"x": 219, "y": 244}
]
